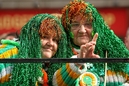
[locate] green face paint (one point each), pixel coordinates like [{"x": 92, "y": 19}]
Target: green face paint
[
  {"x": 71, "y": 35},
  {"x": 92, "y": 33}
]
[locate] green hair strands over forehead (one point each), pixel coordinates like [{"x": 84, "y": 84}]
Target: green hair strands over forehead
[{"x": 27, "y": 74}]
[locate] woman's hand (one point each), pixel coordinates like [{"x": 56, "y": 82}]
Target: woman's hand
[{"x": 87, "y": 50}]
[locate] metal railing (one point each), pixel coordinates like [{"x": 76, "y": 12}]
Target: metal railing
[{"x": 65, "y": 60}]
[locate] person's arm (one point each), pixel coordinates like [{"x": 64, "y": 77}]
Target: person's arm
[
  {"x": 116, "y": 79},
  {"x": 5, "y": 72},
  {"x": 68, "y": 73},
  {"x": 6, "y": 51}
]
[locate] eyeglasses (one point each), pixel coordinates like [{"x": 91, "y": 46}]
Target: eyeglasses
[{"x": 78, "y": 25}]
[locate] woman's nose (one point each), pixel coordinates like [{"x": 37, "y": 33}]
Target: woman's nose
[
  {"x": 50, "y": 41},
  {"x": 82, "y": 28}
]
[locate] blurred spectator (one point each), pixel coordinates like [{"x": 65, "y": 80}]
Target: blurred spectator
[
  {"x": 2, "y": 36},
  {"x": 10, "y": 36},
  {"x": 126, "y": 39}
]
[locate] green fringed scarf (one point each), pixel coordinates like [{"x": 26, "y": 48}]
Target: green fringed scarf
[
  {"x": 26, "y": 74},
  {"x": 107, "y": 41}
]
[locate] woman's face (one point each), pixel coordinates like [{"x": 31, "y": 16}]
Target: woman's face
[
  {"x": 49, "y": 46},
  {"x": 81, "y": 29},
  {"x": 50, "y": 34}
]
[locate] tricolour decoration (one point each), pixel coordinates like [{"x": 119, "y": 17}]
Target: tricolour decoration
[{"x": 88, "y": 79}]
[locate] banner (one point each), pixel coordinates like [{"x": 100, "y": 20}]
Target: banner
[{"x": 12, "y": 20}]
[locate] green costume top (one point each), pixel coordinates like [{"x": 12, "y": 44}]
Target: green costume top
[{"x": 27, "y": 74}]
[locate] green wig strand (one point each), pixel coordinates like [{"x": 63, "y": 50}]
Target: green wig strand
[
  {"x": 26, "y": 74},
  {"x": 108, "y": 42}
]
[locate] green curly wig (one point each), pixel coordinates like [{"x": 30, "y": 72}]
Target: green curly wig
[
  {"x": 26, "y": 74},
  {"x": 107, "y": 41}
]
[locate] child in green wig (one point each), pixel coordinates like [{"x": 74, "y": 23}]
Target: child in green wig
[{"x": 89, "y": 36}]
